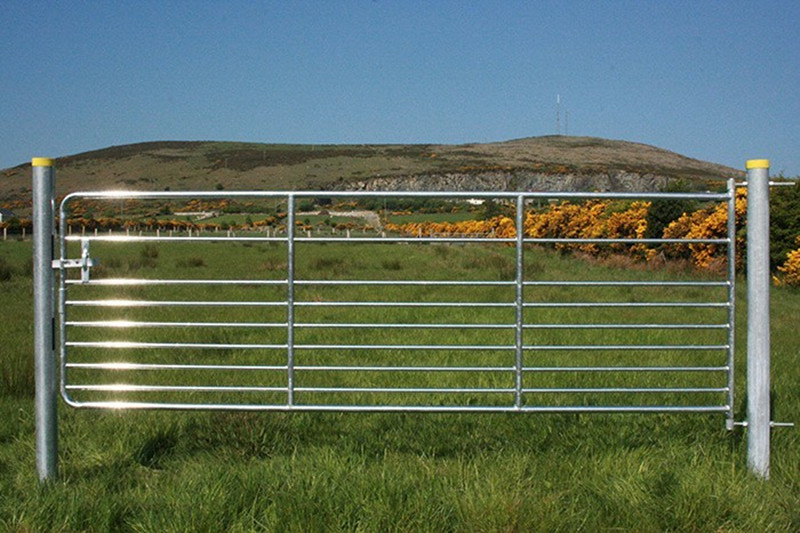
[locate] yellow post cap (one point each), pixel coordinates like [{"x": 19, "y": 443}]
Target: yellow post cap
[
  {"x": 42, "y": 162},
  {"x": 757, "y": 163}
]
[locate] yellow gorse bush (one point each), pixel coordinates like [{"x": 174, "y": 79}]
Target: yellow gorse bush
[
  {"x": 589, "y": 220},
  {"x": 710, "y": 223},
  {"x": 600, "y": 220},
  {"x": 791, "y": 267}
]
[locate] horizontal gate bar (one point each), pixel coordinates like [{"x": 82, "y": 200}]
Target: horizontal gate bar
[
  {"x": 396, "y": 194},
  {"x": 576, "y": 347},
  {"x": 122, "y": 366},
  {"x": 122, "y": 282},
  {"x": 387, "y": 240},
  {"x": 124, "y": 387},
  {"x": 162, "y": 303},
  {"x": 185, "y": 303},
  {"x": 377, "y": 325},
  {"x": 195, "y": 345},
  {"x": 137, "y": 324},
  {"x": 635, "y": 390},
  {"x": 615, "y": 347},
  {"x": 404, "y": 408},
  {"x": 626, "y": 369},
  {"x": 434, "y": 283},
  {"x": 577, "y": 240},
  {"x": 626, "y": 304}
]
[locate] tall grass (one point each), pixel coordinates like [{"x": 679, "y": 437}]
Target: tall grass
[{"x": 208, "y": 471}]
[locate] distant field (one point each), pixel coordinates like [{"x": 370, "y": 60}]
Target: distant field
[
  {"x": 157, "y": 471},
  {"x": 433, "y": 217}
]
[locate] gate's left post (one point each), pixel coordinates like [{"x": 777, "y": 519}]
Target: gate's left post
[{"x": 44, "y": 318}]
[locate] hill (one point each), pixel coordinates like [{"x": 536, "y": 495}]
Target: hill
[{"x": 539, "y": 163}]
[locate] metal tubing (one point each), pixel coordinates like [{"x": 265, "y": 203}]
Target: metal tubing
[
  {"x": 639, "y": 390},
  {"x": 162, "y": 366},
  {"x": 729, "y": 423},
  {"x": 621, "y": 347},
  {"x": 340, "y": 368},
  {"x": 127, "y": 387},
  {"x": 758, "y": 349},
  {"x": 627, "y": 304},
  {"x": 46, "y": 376},
  {"x": 127, "y": 345},
  {"x": 122, "y": 282},
  {"x": 414, "y": 355},
  {"x": 507, "y": 195},
  {"x": 388, "y": 240},
  {"x": 448, "y": 283},
  {"x": 123, "y": 324},
  {"x": 627, "y": 369},
  {"x": 345, "y": 408},
  {"x": 165, "y": 303},
  {"x": 519, "y": 300},
  {"x": 576, "y": 240},
  {"x": 290, "y": 303},
  {"x": 627, "y": 283},
  {"x": 377, "y": 325}
]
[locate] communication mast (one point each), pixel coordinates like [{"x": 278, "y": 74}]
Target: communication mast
[{"x": 558, "y": 114}]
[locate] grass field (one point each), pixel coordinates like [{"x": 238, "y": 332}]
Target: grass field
[{"x": 208, "y": 471}]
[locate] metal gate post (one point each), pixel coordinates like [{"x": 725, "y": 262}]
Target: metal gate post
[
  {"x": 44, "y": 318},
  {"x": 758, "y": 351}
]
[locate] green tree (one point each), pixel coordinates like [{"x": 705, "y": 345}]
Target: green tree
[
  {"x": 784, "y": 214},
  {"x": 664, "y": 211},
  {"x": 490, "y": 209}
]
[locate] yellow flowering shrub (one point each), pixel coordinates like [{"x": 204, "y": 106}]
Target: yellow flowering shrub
[
  {"x": 589, "y": 220},
  {"x": 709, "y": 223},
  {"x": 791, "y": 268}
]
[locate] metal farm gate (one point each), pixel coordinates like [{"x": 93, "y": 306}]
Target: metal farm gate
[
  {"x": 287, "y": 318},
  {"x": 310, "y": 333}
]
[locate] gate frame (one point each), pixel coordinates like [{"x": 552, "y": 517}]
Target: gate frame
[{"x": 758, "y": 350}]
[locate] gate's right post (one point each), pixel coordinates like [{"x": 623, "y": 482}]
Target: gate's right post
[{"x": 758, "y": 351}]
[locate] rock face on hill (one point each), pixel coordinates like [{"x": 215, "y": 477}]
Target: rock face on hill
[{"x": 519, "y": 180}]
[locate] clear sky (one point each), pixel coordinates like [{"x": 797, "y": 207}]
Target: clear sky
[{"x": 713, "y": 80}]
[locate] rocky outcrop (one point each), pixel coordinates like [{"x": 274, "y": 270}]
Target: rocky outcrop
[{"x": 512, "y": 181}]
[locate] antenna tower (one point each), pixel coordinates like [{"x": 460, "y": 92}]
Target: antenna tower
[{"x": 558, "y": 114}]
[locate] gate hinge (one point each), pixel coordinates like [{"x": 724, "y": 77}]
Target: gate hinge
[{"x": 744, "y": 424}]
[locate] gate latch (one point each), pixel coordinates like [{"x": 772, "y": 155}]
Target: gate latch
[{"x": 85, "y": 263}]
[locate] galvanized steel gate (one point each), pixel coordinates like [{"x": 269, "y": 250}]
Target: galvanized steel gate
[
  {"x": 305, "y": 329},
  {"x": 322, "y": 335}
]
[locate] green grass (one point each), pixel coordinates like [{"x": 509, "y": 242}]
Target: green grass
[
  {"x": 432, "y": 217},
  {"x": 209, "y": 471}
]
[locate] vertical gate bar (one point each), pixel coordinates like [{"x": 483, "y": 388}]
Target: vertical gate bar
[
  {"x": 44, "y": 319},
  {"x": 290, "y": 298},
  {"x": 758, "y": 280},
  {"x": 731, "y": 297},
  {"x": 62, "y": 299},
  {"x": 519, "y": 297}
]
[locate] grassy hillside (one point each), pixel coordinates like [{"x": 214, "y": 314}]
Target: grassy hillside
[{"x": 223, "y": 165}]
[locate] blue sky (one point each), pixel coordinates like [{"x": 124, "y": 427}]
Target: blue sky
[{"x": 714, "y": 80}]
